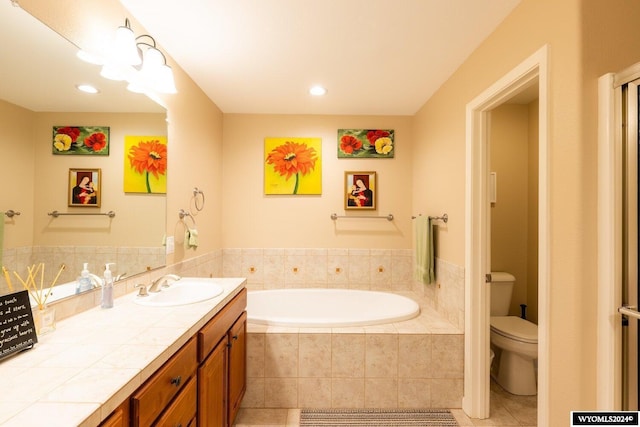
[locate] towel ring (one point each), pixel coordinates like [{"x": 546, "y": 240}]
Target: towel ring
[
  {"x": 182, "y": 214},
  {"x": 196, "y": 193}
]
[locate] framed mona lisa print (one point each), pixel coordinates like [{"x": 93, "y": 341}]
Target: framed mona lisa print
[
  {"x": 85, "y": 187},
  {"x": 360, "y": 190}
]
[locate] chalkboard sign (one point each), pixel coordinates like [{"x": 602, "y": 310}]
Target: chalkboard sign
[{"x": 17, "y": 330}]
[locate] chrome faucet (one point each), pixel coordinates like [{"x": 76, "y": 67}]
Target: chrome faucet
[
  {"x": 162, "y": 282},
  {"x": 96, "y": 281}
]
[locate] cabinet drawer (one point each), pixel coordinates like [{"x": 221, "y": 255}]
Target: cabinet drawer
[
  {"x": 216, "y": 328},
  {"x": 155, "y": 394},
  {"x": 183, "y": 410}
]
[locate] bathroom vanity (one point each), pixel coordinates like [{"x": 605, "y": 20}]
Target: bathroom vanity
[{"x": 135, "y": 366}]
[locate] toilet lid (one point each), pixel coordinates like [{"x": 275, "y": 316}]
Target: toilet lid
[{"x": 516, "y": 328}]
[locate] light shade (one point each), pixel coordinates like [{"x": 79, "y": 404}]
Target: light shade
[
  {"x": 125, "y": 51},
  {"x": 155, "y": 75}
]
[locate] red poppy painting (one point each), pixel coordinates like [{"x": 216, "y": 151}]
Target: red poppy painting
[
  {"x": 366, "y": 143},
  {"x": 87, "y": 140}
]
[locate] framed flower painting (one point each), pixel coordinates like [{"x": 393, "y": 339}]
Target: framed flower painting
[
  {"x": 364, "y": 143},
  {"x": 145, "y": 164},
  {"x": 87, "y": 140},
  {"x": 293, "y": 166}
]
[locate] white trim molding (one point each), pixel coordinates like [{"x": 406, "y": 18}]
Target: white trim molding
[
  {"x": 610, "y": 190},
  {"x": 476, "y": 398}
]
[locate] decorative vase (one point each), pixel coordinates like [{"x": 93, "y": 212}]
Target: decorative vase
[{"x": 45, "y": 319}]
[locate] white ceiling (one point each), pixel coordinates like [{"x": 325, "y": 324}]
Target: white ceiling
[
  {"x": 379, "y": 57},
  {"x": 39, "y": 71}
]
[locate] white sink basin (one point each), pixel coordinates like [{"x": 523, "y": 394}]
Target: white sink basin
[{"x": 187, "y": 290}]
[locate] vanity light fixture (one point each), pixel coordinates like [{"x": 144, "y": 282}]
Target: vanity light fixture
[
  {"x": 317, "y": 90},
  {"x": 136, "y": 60},
  {"x": 154, "y": 73}
]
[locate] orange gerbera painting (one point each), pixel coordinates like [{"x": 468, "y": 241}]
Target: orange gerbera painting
[
  {"x": 145, "y": 164},
  {"x": 293, "y": 166}
]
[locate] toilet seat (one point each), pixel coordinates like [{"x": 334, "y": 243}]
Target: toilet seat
[{"x": 515, "y": 328}]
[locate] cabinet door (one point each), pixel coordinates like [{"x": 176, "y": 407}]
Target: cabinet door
[
  {"x": 212, "y": 388},
  {"x": 237, "y": 365},
  {"x": 183, "y": 409},
  {"x": 119, "y": 417}
]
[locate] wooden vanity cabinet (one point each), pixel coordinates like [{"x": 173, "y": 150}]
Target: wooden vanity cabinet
[
  {"x": 157, "y": 396},
  {"x": 222, "y": 372},
  {"x": 202, "y": 384}
]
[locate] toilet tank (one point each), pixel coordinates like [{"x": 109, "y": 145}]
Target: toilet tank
[{"x": 501, "y": 290}]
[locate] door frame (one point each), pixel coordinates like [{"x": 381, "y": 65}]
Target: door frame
[
  {"x": 476, "y": 398},
  {"x": 610, "y": 229}
]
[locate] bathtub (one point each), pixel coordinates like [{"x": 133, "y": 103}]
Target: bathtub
[{"x": 328, "y": 308}]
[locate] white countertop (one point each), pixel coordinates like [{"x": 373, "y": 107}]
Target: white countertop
[{"x": 79, "y": 373}]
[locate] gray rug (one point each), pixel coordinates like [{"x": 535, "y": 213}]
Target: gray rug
[{"x": 376, "y": 417}]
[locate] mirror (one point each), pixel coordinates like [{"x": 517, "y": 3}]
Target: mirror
[{"x": 37, "y": 92}]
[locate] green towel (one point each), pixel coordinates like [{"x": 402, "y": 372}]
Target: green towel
[{"x": 425, "y": 271}]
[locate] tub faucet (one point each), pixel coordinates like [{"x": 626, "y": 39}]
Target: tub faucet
[
  {"x": 96, "y": 281},
  {"x": 162, "y": 281}
]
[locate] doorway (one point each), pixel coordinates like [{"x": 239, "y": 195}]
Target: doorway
[{"x": 476, "y": 396}]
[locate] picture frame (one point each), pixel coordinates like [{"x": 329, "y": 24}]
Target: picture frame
[
  {"x": 81, "y": 140},
  {"x": 84, "y": 188},
  {"x": 360, "y": 190},
  {"x": 366, "y": 143}
]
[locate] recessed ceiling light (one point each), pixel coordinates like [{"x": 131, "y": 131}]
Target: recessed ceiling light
[
  {"x": 87, "y": 88},
  {"x": 317, "y": 90}
]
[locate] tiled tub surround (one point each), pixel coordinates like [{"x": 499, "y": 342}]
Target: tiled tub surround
[
  {"x": 78, "y": 374},
  {"x": 372, "y": 269},
  {"x": 415, "y": 363}
]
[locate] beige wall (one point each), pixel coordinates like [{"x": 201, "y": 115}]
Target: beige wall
[
  {"x": 532, "y": 203},
  {"x": 17, "y": 178},
  {"x": 254, "y": 220},
  {"x": 37, "y": 182},
  {"x": 509, "y": 141},
  {"x": 140, "y": 218}
]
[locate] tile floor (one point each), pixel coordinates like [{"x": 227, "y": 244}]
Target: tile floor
[{"x": 506, "y": 410}]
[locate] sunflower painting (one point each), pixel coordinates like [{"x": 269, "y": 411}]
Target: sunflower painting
[
  {"x": 293, "y": 166},
  {"x": 88, "y": 140},
  {"x": 366, "y": 143},
  {"x": 145, "y": 164}
]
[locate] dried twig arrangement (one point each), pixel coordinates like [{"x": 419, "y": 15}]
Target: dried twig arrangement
[{"x": 37, "y": 293}]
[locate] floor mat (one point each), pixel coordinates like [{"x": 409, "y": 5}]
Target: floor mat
[{"x": 376, "y": 417}]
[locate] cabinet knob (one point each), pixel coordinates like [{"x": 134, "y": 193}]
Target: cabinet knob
[
  {"x": 235, "y": 337},
  {"x": 176, "y": 380}
]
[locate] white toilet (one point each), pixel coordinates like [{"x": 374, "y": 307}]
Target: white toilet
[{"x": 514, "y": 340}]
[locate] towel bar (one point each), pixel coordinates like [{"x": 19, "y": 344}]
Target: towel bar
[
  {"x": 335, "y": 216},
  {"x": 444, "y": 218},
  {"x": 11, "y": 213},
  {"x": 56, "y": 214}
]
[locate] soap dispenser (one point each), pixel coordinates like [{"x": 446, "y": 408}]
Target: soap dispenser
[
  {"x": 84, "y": 281},
  {"x": 107, "y": 287}
]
